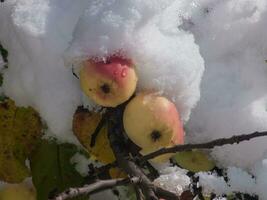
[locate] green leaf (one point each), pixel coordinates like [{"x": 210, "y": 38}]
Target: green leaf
[
  {"x": 194, "y": 161},
  {"x": 52, "y": 171}
]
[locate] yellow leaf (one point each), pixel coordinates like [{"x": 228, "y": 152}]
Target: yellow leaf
[
  {"x": 84, "y": 125},
  {"x": 20, "y": 129}
]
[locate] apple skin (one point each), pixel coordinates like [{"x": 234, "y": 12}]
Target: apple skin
[
  {"x": 152, "y": 122},
  {"x": 17, "y": 192},
  {"x": 108, "y": 83}
]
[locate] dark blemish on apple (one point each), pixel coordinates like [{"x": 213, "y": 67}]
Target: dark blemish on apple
[
  {"x": 105, "y": 88},
  {"x": 155, "y": 135}
]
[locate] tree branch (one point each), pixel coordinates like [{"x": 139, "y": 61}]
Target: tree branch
[
  {"x": 207, "y": 145},
  {"x": 95, "y": 187},
  {"x": 116, "y": 138}
]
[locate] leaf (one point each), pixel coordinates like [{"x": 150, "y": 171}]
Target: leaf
[
  {"x": 194, "y": 161},
  {"x": 52, "y": 171},
  {"x": 84, "y": 125},
  {"x": 22, "y": 191},
  {"x": 20, "y": 130}
]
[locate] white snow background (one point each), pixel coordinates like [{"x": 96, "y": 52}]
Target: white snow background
[{"x": 170, "y": 41}]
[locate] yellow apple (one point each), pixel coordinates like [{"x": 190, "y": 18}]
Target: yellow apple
[
  {"x": 152, "y": 122},
  {"x": 110, "y": 82},
  {"x": 17, "y": 192}
]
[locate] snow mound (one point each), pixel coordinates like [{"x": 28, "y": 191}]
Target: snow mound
[
  {"x": 37, "y": 33},
  {"x": 238, "y": 181},
  {"x": 166, "y": 58},
  {"x": 232, "y": 38}
]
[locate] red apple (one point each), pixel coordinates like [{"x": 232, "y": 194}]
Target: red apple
[{"x": 110, "y": 82}]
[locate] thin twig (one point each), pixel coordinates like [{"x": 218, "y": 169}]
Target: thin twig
[
  {"x": 95, "y": 187},
  {"x": 208, "y": 145},
  {"x": 97, "y": 130}
]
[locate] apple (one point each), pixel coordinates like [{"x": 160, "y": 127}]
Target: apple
[
  {"x": 17, "y": 192},
  {"x": 152, "y": 122},
  {"x": 109, "y": 82}
]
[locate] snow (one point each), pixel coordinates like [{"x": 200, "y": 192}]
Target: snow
[
  {"x": 142, "y": 31},
  {"x": 166, "y": 58},
  {"x": 231, "y": 36},
  {"x": 81, "y": 163},
  {"x": 36, "y": 34},
  {"x": 238, "y": 181},
  {"x": 260, "y": 171},
  {"x": 169, "y": 42},
  {"x": 211, "y": 183},
  {"x": 173, "y": 179}
]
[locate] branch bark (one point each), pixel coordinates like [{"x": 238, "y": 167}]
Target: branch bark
[
  {"x": 95, "y": 187},
  {"x": 207, "y": 145}
]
